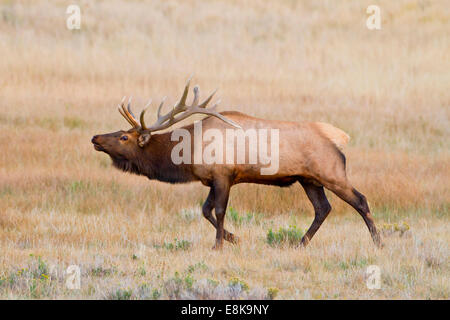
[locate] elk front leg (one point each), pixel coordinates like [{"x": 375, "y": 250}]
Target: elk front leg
[
  {"x": 221, "y": 193},
  {"x": 207, "y": 213}
]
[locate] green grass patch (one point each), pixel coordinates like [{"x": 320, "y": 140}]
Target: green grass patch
[
  {"x": 290, "y": 236},
  {"x": 247, "y": 218},
  {"x": 272, "y": 293},
  {"x": 177, "y": 284},
  {"x": 175, "y": 245},
  {"x": 103, "y": 272},
  {"x": 236, "y": 282},
  {"x": 121, "y": 294},
  {"x": 34, "y": 279},
  {"x": 198, "y": 266}
]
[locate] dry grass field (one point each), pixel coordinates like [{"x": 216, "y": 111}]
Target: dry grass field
[{"x": 62, "y": 203}]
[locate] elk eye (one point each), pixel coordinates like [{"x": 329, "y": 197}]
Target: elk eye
[{"x": 124, "y": 138}]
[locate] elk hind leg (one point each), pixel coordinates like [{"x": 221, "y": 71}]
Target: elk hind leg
[
  {"x": 321, "y": 206},
  {"x": 359, "y": 202}
]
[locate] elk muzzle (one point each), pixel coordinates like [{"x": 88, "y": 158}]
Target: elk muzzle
[{"x": 96, "y": 143}]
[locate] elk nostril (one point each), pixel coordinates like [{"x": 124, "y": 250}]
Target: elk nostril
[{"x": 94, "y": 138}]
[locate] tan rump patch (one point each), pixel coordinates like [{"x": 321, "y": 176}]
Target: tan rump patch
[{"x": 336, "y": 135}]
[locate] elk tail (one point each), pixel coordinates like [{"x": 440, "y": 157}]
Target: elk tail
[{"x": 335, "y": 135}]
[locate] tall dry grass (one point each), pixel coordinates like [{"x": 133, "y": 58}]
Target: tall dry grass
[{"x": 302, "y": 61}]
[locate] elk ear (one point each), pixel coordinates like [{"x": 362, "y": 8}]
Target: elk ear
[{"x": 144, "y": 139}]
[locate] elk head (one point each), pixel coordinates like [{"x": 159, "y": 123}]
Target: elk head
[{"x": 126, "y": 145}]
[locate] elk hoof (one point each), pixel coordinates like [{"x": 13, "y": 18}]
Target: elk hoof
[
  {"x": 232, "y": 238},
  {"x": 380, "y": 245},
  {"x": 304, "y": 242},
  {"x": 218, "y": 245},
  {"x": 377, "y": 240}
]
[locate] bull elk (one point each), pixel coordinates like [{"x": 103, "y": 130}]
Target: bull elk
[{"x": 309, "y": 153}]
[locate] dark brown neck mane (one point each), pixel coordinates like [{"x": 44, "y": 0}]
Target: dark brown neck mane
[{"x": 154, "y": 162}]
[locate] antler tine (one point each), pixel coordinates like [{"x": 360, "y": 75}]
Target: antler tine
[
  {"x": 203, "y": 105},
  {"x": 214, "y": 105},
  {"x": 178, "y": 107},
  {"x": 143, "y": 126},
  {"x": 124, "y": 115},
  {"x": 129, "y": 108},
  {"x": 120, "y": 107},
  {"x": 182, "y": 103},
  {"x": 124, "y": 110},
  {"x": 160, "y": 106},
  {"x": 172, "y": 114},
  {"x": 195, "y": 100},
  {"x": 129, "y": 115}
]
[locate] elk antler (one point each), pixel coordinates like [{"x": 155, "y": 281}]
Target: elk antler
[
  {"x": 180, "y": 108},
  {"x": 127, "y": 113}
]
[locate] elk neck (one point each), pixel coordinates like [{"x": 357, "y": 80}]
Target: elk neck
[{"x": 154, "y": 161}]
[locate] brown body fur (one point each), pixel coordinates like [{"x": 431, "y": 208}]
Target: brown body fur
[{"x": 308, "y": 153}]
